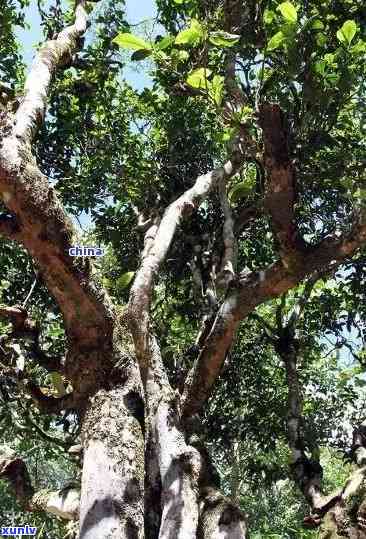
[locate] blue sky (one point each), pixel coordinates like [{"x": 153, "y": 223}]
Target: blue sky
[{"x": 136, "y": 11}]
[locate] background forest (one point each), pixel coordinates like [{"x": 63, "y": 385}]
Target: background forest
[{"x": 111, "y": 151}]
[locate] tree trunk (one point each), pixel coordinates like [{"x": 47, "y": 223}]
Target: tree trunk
[{"x": 113, "y": 469}]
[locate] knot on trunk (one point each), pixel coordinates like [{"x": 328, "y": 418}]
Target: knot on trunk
[{"x": 304, "y": 470}]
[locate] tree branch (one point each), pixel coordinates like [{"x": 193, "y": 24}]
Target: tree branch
[
  {"x": 23, "y": 326},
  {"x": 63, "y": 503},
  {"x": 52, "y": 55},
  {"x": 280, "y": 195},
  {"x": 44, "y": 228},
  {"x": 301, "y": 304},
  {"x": 229, "y": 259},
  {"x": 252, "y": 290},
  {"x": 157, "y": 243}
]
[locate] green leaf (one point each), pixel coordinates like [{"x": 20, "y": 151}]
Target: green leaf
[
  {"x": 223, "y": 39},
  {"x": 58, "y": 383},
  {"x": 268, "y": 16},
  {"x": 141, "y": 54},
  {"x": 198, "y": 77},
  {"x": 275, "y": 41},
  {"x": 216, "y": 89},
  {"x": 321, "y": 39},
  {"x": 347, "y": 32},
  {"x": 178, "y": 1},
  {"x": 288, "y": 12},
  {"x": 320, "y": 66},
  {"x": 191, "y": 35},
  {"x": 238, "y": 191},
  {"x": 165, "y": 42},
  {"x": 317, "y": 25},
  {"x": 125, "y": 279},
  {"x": 131, "y": 42},
  {"x": 183, "y": 56},
  {"x": 359, "y": 48}
]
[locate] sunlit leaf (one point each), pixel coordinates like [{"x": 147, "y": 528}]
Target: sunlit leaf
[
  {"x": 125, "y": 279},
  {"x": 131, "y": 42},
  {"x": 216, "y": 89},
  {"x": 191, "y": 35},
  {"x": 223, "y": 39},
  {"x": 288, "y": 11},
  {"x": 275, "y": 41},
  {"x": 165, "y": 42},
  {"x": 268, "y": 16},
  {"x": 359, "y": 48},
  {"x": 198, "y": 77},
  {"x": 347, "y": 32},
  {"x": 239, "y": 191}
]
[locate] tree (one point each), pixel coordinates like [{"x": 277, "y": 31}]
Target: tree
[{"x": 235, "y": 178}]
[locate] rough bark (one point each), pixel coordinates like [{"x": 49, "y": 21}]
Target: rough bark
[
  {"x": 104, "y": 378},
  {"x": 249, "y": 292},
  {"x": 158, "y": 240},
  {"x": 63, "y": 503},
  {"x": 113, "y": 468},
  {"x": 280, "y": 196},
  {"x": 333, "y": 512},
  {"x": 181, "y": 498},
  {"x": 220, "y": 518},
  {"x": 183, "y": 469}
]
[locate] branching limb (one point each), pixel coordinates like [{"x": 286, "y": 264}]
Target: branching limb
[
  {"x": 23, "y": 326},
  {"x": 307, "y": 472},
  {"x": 249, "y": 292},
  {"x": 157, "y": 243},
  {"x": 305, "y": 296},
  {"x": 280, "y": 194},
  {"x": 63, "y": 503},
  {"x": 52, "y": 55},
  {"x": 229, "y": 259},
  {"x": 44, "y": 228}
]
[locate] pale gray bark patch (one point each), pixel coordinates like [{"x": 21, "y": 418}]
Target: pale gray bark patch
[
  {"x": 113, "y": 471},
  {"x": 180, "y": 467},
  {"x": 51, "y": 55},
  {"x": 63, "y": 503},
  {"x": 229, "y": 259},
  {"x": 220, "y": 518}
]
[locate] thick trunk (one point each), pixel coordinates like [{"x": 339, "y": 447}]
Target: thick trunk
[
  {"x": 180, "y": 468},
  {"x": 113, "y": 470},
  {"x": 220, "y": 518},
  {"x": 191, "y": 504}
]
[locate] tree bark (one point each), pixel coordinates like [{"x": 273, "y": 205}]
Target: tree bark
[{"x": 113, "y": 468}]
